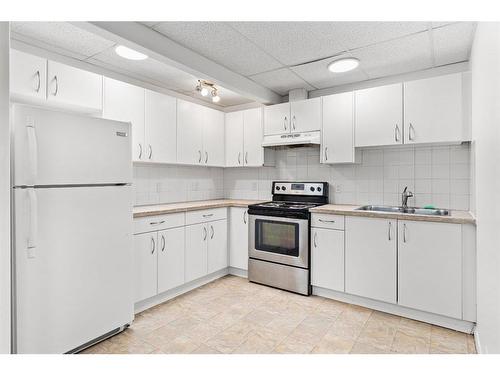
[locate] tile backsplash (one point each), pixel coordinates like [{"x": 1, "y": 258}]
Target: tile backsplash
[{"x": 438, "y": 175}]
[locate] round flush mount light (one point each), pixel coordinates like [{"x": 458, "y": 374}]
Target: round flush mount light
[
  {"x": 129, "y": 53},
  {"x": 343, "y": 65}
]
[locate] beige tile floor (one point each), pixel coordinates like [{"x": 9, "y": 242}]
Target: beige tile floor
[{"x": 231, "y": 315}]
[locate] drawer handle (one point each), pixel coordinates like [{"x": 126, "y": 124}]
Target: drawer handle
[
  {"x": 327, "y": 221},
  {"x": 157, "y": 222},
  {"x": 208, "y": 215}
]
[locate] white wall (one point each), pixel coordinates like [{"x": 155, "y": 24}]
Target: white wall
[
  {"x": 485, "y": 66},
  {"x": 4, "y": 191},
  {"x": 438, "y": 175}
]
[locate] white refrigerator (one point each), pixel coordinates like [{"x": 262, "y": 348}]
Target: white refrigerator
[{"x": 72, "y": 199}]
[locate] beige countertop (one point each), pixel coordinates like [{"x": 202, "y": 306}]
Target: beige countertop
[
  {"x": 161, "y": 209},
  {"x": 456, "y": 216}
]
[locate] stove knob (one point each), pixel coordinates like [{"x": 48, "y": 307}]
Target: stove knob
[
  {"x": 277, "y": 187},
  {"x": 312, "y": 188},
  {"x": 283, "y": 188},
  {"x": 318, "y": 188}
]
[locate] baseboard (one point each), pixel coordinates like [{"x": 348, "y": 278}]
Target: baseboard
[
  {"x": 439, "y": 320},
  {"x": 168, "y": 295},
  {"x": 238, "y": 272}
]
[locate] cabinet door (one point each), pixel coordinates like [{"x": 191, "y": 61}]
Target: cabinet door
[
  {"x": 28, "y": 76},
  {"x": 305, "y": 115},
  {"x": 338, "y": 129},
  {"x": 145, "y": 263},
  {"x": 234, "y": 139},
  {"x": 217, "y": 245},
  {"x": 430, "y": 267},
  {"x": 196, "y": 251},
  {"x": 379, "y": 116},
  {"x": 327, "y": 258},
  {"x": 160, "y": 127},
  {"x": 213, "y": 137},
  {"x": 277, "y": 119},
  {"x": 170, "y": 259},
  {"x": 370, "y": 258},
  {"x": 189, "y": 133},
  {"x": 433, "y": 109},
  {"x": 73, "y": 88},
  {"x": 124, "y": 102},
  {"x": 254, "y": 152},
  {"x": 238, "y": 238}
]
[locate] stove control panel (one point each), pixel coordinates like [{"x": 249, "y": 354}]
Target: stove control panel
[{"x": 300, "y": 188}]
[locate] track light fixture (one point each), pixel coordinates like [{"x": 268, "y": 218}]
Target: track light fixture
[{"x": 207, "y": 88}]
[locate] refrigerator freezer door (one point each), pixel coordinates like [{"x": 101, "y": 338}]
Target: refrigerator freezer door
[
  {"x": 73, "y": 264},
  {"x": 57, "y": 148}
]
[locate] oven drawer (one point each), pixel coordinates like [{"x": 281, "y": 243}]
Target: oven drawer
[
  {"x": 202, "y": 216},
  {"x": 161, "y": 222},
  {"x": 327, "y": 221}
]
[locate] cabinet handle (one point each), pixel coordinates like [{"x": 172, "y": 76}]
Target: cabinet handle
[
  {"x": 293, "y": 122},
  {"x": 150, "y": 152},
  {"x": 284, "y": 122},
  {"x": 206, "y": 157},
  {"x": 156, "y": 222},
  {"x": 245, "y": 217},
  {"x": 404, "y": 233},
  {"x": 326, "y": 153},
  {"x": 213, "y": 232},
  {"x": 396, "y": 133},
  {"x": 410, "y": 138},
  {"x": 246, "y": 157},
  {"x": 204, "y": 233},
  {"x": 57, "y": 86},
  {"x": 315, "y": 239},
  {"x": 389, "y": 231},
  {"x": 140, "y": 151},
  {"x": 153, "y": 245},
  {"x": 327, "y": 221},
  {"x": 39, "y": 81},
  {"x": 162, "y": 242},
  {"x": 239, "y": 158},
  {"x": 208, "y": 215}
]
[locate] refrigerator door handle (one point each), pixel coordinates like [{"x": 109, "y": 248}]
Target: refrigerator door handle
[
  {"x": 33, "y": 222},
  {"x": 32, "y": 151}
]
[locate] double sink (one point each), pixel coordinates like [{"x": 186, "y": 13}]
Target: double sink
[{"x": 406, "y": 210}]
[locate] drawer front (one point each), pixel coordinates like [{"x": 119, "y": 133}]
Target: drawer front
[
  {"x": 161, "y": 222},
  {"x": 202, "y": 216},
  {"x": 327, "y": 221}
]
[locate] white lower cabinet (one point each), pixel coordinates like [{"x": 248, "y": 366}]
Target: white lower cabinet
[
  {"x": 217, "y": 245},
  {"x": 145, "y": 261},
  {"x": 196, "y": 251},
  {"x": 170, "y": 259},
  {"x": 238, "y": 237},
  {"x": 327, "y": 258},
  {"x": 430, "y": 267},
  {"x": 370, "y": 258}
]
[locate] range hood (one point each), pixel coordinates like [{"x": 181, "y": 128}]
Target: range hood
[{"x": 290, "y": 139}]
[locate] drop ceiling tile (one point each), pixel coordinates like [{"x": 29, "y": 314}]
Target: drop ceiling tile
[
  {"x": 317, "y": 74},
  {"x": 407, "y": 54},
  {"x": 281, "y": 81},
  {"x": 453, "y": 43},
  {"x": 221, "y": 44},
  {"x": 62, "y": 37},
  {"x": 295, "y": 43}
]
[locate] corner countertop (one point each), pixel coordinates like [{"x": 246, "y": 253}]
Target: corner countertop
[
  {"x": 162, "y": 209},
  {"x": 456, "y": 216}
]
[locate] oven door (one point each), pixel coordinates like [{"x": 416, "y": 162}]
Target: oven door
[{"x": 279, "y": 239}]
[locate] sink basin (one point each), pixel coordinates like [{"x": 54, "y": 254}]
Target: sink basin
[{"x": 408, "y": 210}]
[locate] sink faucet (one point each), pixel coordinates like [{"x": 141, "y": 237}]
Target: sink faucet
[{"x": 404, "y": 197}]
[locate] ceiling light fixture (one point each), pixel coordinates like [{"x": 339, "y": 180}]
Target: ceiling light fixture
[
  {"x": 129, "y": 53},
  {"x": 207, "y": 88},
  {"x": 343, "y": 65}
]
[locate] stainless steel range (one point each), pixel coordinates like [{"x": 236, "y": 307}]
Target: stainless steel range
[{"x": 278, "y": 246}]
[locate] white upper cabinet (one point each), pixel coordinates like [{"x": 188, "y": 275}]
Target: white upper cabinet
[
  {"x": 189, "y": 133},
  {"x": 73, "y": 88},
  {"x": 305, "y": 115},
  {"x": 253, "y": 150},
  {"x": 213, "y": 137},
  {"x": 433, "y": 110},
  {"x": 337, "y": 145},
  {"x": 160, "y": 127},
  {"x": 234, "y": 139},
  {"x": 27, "y": 76},
  {"x": 277, "y": 119},
  {"x": 430, "y": 267},
  {"x": 124, "y": 102},
  {"x": 379, "y": 116}
]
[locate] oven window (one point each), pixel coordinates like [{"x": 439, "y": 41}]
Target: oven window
[{"x": 277, "y": 237}]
